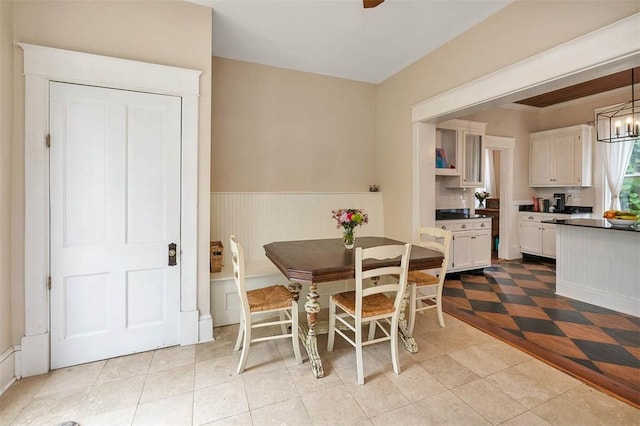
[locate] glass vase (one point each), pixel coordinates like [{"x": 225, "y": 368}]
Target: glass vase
[{"x": 348, "y": 239}]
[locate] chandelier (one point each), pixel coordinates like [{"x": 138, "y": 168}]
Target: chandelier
[{"x": 620, "y": 123}]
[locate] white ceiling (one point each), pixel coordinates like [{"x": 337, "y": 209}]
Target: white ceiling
[{"x": 339, "y": 37}]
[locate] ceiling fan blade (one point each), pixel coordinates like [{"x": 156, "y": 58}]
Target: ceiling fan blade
[{"x": 371, "y": 3}]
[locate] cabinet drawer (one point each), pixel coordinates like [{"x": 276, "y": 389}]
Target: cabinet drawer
[
  {"x": 485, "y": 224},
  {"x": 456, "y": 226},
  {"x": 465, "y": 225},
  {"x": 539, "y": 217},
  {"x": 530, "y": 218}
]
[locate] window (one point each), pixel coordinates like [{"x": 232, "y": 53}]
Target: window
[{"x": 630, "y": 191}]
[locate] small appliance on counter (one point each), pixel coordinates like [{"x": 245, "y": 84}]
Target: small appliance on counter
[{"x": 560, "y": 200}]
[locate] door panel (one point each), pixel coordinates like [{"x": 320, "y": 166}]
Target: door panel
[
  {"x": 549, "y": 240},
  {"x": 540, "y": 163},
  {"x": 86, "y": 303},
  {"x": 565, "y": 155},
  {"x": 83, "y": 174},
  {"x": 462, "y": 250},
  {"x": 115, "y": 203},
  {"x": 146, "y": 192},
  {"x": 145, "y": 294},
  {"x": 481, "y": 249},
  {"x": 530, "y": 237}
]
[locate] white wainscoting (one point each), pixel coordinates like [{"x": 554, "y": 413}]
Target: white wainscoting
[
  {"x": 260, "y": 218},
  {"x": 8, "y": 361},
  {"x": 599, "y": 266}
]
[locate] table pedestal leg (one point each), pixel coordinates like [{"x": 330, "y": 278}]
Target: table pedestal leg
[
  {"x": 294, "y": 289},
  {"x": 308, "y": 336},
  {"x": 410, "y": 343}
]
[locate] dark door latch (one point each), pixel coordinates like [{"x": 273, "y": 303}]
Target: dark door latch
[{"x": 172, "y": 254}]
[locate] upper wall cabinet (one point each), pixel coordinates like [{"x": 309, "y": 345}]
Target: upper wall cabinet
[
  {"x": 460, "y": 153},
  {"x": 561, "y": 157}
]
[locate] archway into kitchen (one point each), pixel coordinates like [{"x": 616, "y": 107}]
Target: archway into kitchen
[{"x": 548, "y": 70}]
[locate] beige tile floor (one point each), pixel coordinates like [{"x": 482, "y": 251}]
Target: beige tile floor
[{"x": 461, "y": 376}]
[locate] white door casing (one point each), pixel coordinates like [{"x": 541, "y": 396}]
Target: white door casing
[
  {"x": 115, "y": 207},
  {"x": 42, "y": 65},
  {"x": 508, "y": 232}
]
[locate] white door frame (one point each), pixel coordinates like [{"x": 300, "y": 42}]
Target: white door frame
[
  {"x": 573, "y": 62},
  {"x": 42, "y": 65},
  {"x": 508, "y": 211}
]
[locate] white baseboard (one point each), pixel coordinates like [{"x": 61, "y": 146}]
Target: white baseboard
[
  {"x": 188, "y": 328},
  {"x": 34, "y": 355},
  {"x": 599, "y": 297},
  {"x": 514, "y": 253},
  {"x": 18, "y": 361},
  {"x": 7, "y": 369},
  {"x": 206, "y": 328}
]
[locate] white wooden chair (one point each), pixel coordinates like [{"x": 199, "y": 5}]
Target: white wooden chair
[
  {"x": 425, "y": 287},
  {"x": 371, "y": 305},
  {"x": 275, "y": 299}
]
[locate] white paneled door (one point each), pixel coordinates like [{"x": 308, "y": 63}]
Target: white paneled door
[{"x": 115, "y": 208}]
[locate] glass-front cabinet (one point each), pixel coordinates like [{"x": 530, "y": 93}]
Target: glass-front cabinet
[
  {"x": 460, "y": 153},
  {"x": 473, "y": 172},
  {"x": 447, "y": 152}
]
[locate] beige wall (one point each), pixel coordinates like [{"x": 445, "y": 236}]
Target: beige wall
[
  {"x": 516, "y": 124},
  {"x": 281, "y": 130},
  {"x": 168, "y": 32},
  {"x": 6, "y": 128},
  {"x": 516, "y": 32}
]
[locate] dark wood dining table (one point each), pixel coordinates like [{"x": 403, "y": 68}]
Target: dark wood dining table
[{"x": 319, "y": 261}]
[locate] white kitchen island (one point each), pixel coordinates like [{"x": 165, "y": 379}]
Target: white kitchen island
[{"x": 598, "y": 264}]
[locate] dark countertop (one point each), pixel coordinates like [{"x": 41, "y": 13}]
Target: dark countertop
[
  {"x": 591, "y": 223},
  {"x": 452, "y": 214},
  {"x": 449, "y": 215},
  {"x": 567, "y": 209}
]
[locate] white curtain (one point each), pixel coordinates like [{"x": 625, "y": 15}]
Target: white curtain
[
  {"x": 616, "y": 158},
  {"x": 490, "y": 174}
]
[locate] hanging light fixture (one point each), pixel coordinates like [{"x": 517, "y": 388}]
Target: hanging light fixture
[{"x": 620, "y": 123}]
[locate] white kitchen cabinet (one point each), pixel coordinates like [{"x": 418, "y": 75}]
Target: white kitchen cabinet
[
  {"x": 470, "y": 244},
  {"x": 460, "y": 149},
  {"x": 530, "y": 237},
  {"x": 539, "y": 238},
  {"x": 549, "y": 240},
  {"x": 561, "y": 157}
]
